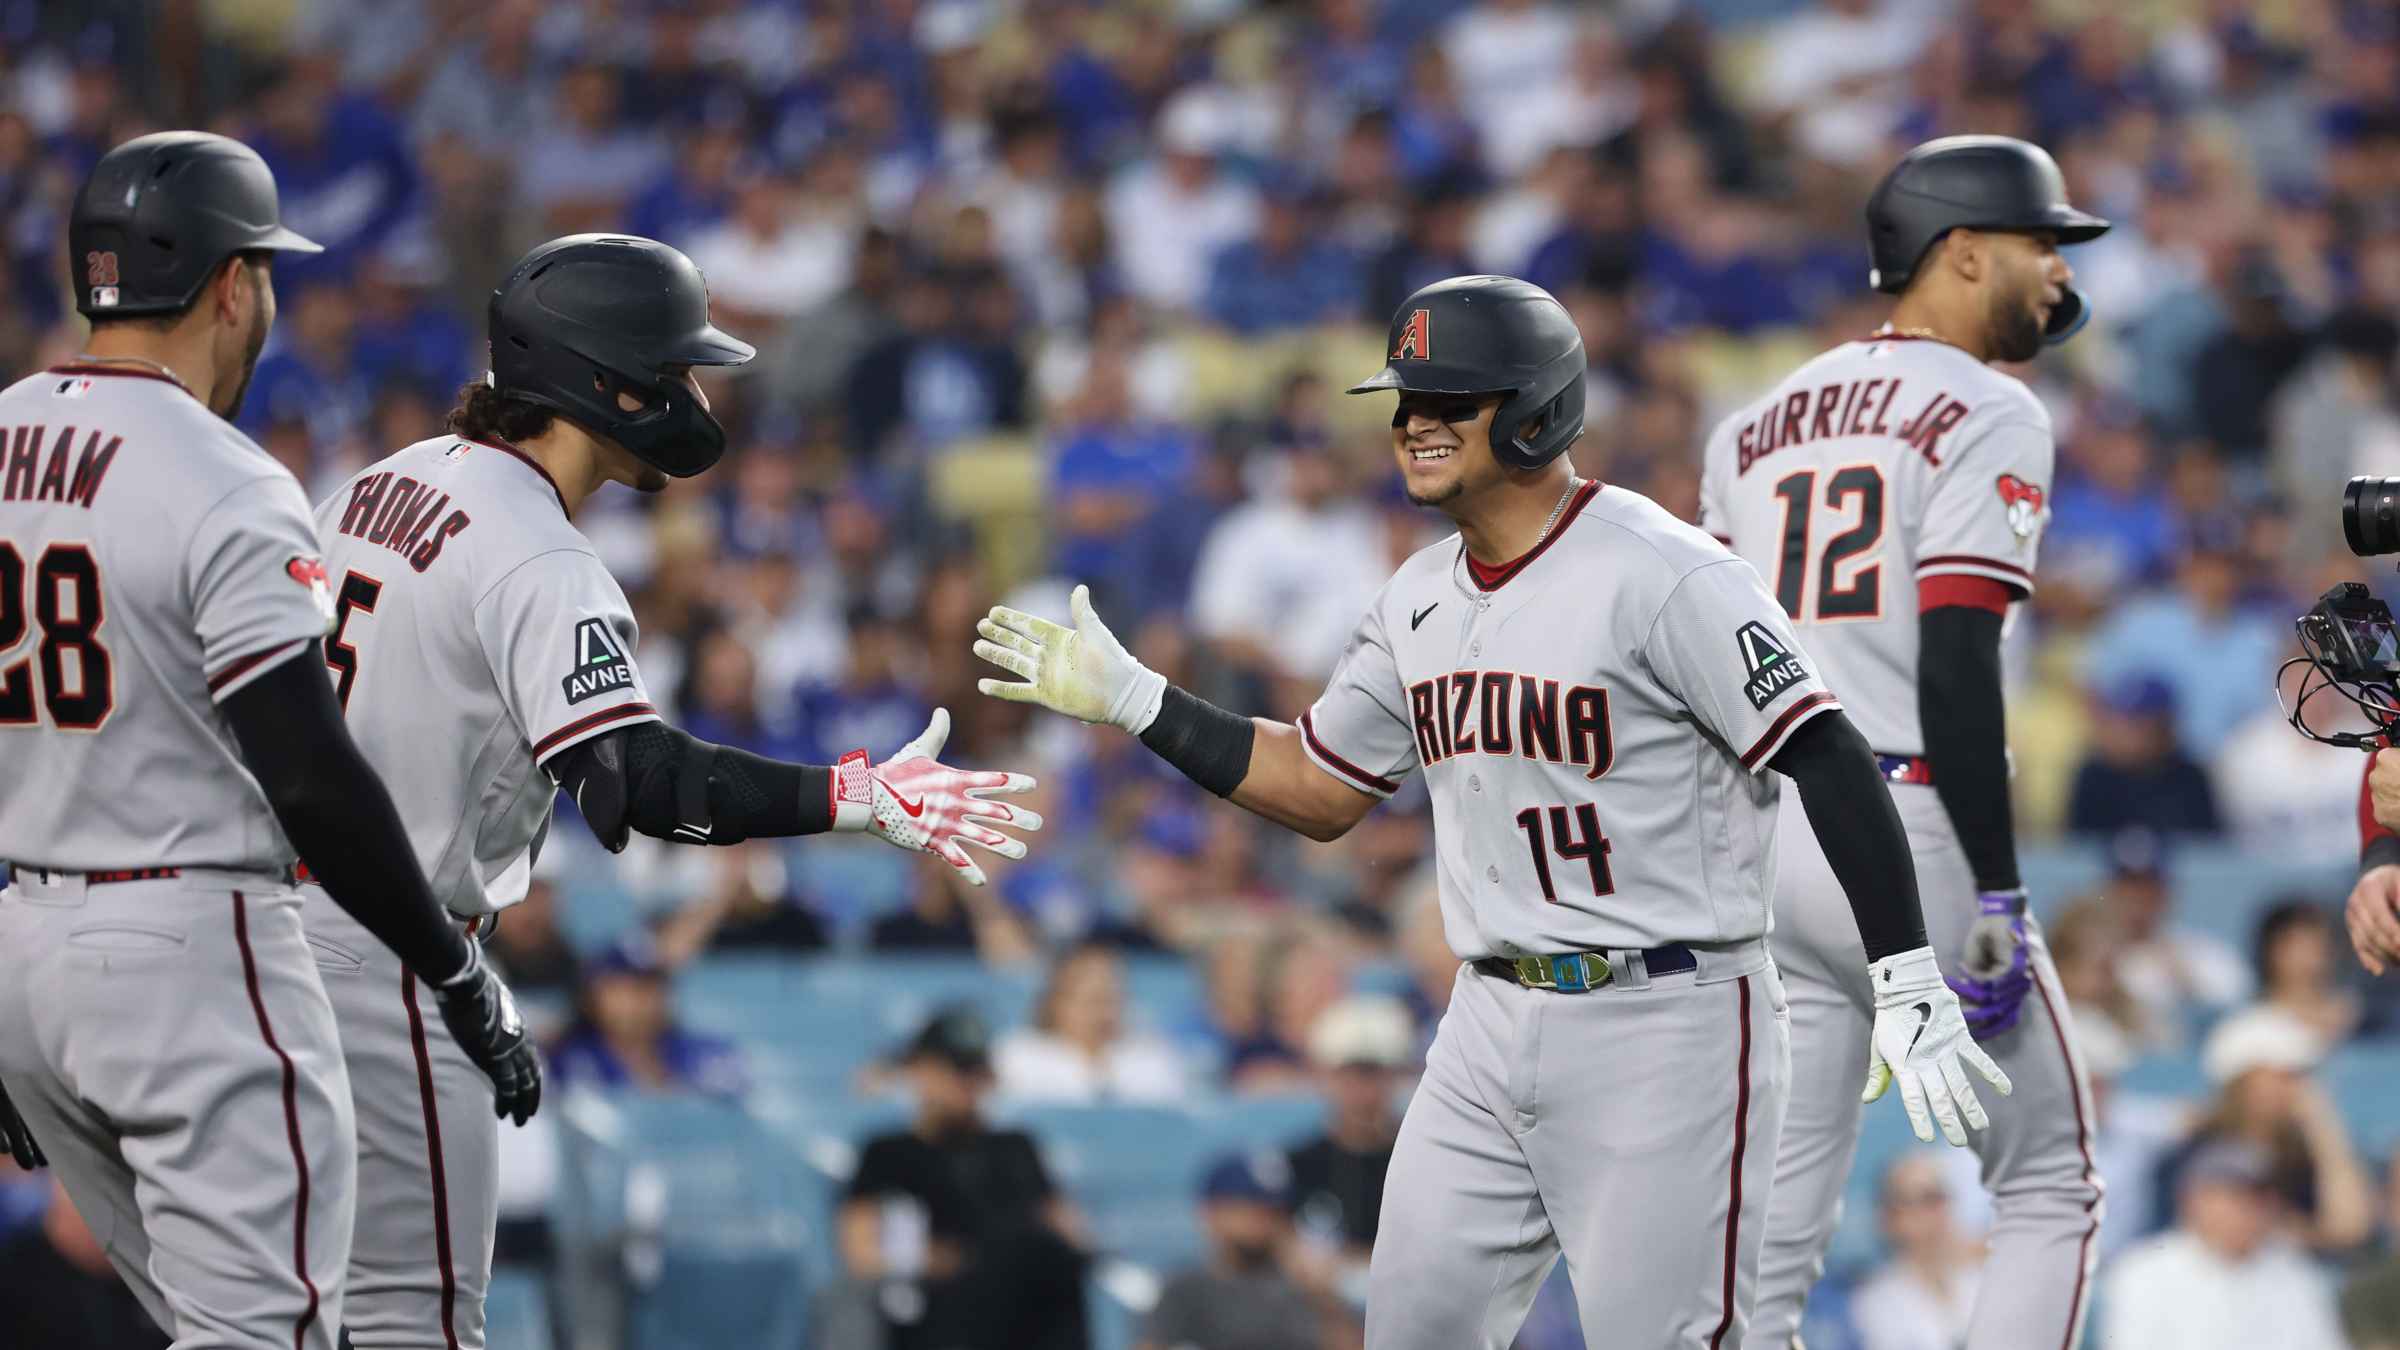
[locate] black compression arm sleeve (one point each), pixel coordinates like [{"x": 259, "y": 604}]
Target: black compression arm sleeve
[
  {"x": 2382, "y": 850},
  {"x": 1211, "y": 746},
  {"x": 656, "y": 780},
  {"x": 1966, "y": 736},
  {"x": 1856, "y": 824},
  {"x": 337, "y": 814}
]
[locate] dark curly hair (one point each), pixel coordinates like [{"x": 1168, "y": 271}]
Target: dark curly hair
[{"x": 486, "y": 414}]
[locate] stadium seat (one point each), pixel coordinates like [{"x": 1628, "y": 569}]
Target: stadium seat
[
  {"x": 1134, "y": 1170},
  {"x": 708, "y": 1214},
  {"x": 516, "y": 1312},
  {"x": 1246, "y": 1123},
  {"x": 2364, "y": 1079},
  {"x": 809, "y": 1025},
  {"x": 2168, "y": 1076}
]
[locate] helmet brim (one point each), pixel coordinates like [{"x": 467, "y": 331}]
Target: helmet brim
[
  {"x": 711, "y": 346},
  {"x": 1430, "y": 377},
  {"x": 281, "y": 239},
  {"x": 2072, "y": 226}
]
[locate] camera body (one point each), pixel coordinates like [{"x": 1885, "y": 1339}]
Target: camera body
[{"x": 2349, "y": 639}]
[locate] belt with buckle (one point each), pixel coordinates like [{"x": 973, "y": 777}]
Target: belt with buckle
[
  {"x": 1912, "y": 769},
  {"x": 1581, "y": 972}
]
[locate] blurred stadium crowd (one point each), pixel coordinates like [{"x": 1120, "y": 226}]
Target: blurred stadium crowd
[{"x": 1054, "y": 290}]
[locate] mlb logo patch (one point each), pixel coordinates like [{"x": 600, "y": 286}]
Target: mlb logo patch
[
  {"x": 457, "y": 450},
  {"x": 75, "y": 387},
  {"x": 104, "y": 297}
]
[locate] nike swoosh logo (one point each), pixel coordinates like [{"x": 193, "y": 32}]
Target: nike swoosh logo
[
  {"x": 697, "y": 832},
  {"x": 914, "y": 809},
  {"x": 1419, "y": 616},
  {"x": 1924, "y": 1012}
]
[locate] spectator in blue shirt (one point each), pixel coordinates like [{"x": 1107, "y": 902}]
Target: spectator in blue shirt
[
  {"x": 1287, "y": 275},
  {"x": 625, "y": 1038},
  {"x": 343, "y": 172},
  {"x": 1109, "y": 472},
  {"x": 2218, "y": 659},
  {"x": 313, "y": 376},
  {"x": 2135, "y": 775},
  {"x": 2110, "y": 522},
  {"x": 1434, "y": 247},
  {"x": 404, "y": 336},
  {"x": 870, "y": 705},
  {"x": 695, "y": 190}
]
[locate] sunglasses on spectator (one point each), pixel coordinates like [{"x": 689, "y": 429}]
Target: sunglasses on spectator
[{"x": 1448, "y": 409}]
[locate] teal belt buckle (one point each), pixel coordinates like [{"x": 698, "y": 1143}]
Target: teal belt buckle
[{"x": 1574, "y": 973}]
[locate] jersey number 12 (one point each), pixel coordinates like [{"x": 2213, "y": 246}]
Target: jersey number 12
[{"x": 1862, "y": 598}]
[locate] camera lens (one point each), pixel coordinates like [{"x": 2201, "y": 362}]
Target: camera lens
[{"x": 2371, "y": 516}]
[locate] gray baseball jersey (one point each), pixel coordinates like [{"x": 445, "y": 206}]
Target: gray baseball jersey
[
  {"x": 1864, "y": 484},
  {"x": 477, "y": 635},
  {"x": 162, "y": 1026},
  {"x": 1594, "y": 723},
  {"x": 1877, "y": 469},
  {"x": 1594, "y": 730},
  {"x": 152, "y": 561}
]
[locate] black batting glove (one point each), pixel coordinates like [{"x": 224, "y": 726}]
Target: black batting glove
[
  {"x": 483, "y": 1019},
  {"x": 18, "y": 1139}
]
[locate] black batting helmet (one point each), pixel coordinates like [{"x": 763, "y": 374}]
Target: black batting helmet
[
  {"x": 1493, "y": 335},
  {"x": 159, "y": 213},
  {"x": 1979, "y": 182},
  {"x": 587, "y": 317}
]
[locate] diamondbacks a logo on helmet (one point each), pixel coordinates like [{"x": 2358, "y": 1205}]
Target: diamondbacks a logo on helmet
[
  {"x": 1771, "y": 666},
  {"x": 1416, "y": 338},
  {"x": 2024, "y": 503},
  {"x": 600, "y": 664}
]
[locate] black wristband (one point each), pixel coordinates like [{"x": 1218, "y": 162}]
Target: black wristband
[
  {"x": 2382, "y": 850},
  {"x": 1210, "y": 745}
]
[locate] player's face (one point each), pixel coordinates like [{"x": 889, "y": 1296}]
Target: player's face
[
  {"x": 2028, "y": 279},
  {"x": 249, "y": 337},
  {"x": 1443, "y": 443}
]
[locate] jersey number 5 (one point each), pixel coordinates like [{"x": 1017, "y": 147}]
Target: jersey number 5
[
  {"x": 1862, "y": 598},
  {"x": 1577, "y": 839},
  {"x": 359, "y": 591},
  {"x": 67, "y": 604}
]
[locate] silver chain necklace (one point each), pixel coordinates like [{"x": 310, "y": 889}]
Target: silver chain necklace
[
  {"x": 132, "y": 361},
  {"x": 1573, "y": 483}
]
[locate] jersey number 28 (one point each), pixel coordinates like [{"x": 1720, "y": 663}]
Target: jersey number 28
[
  {"x": 1856, "y": 487},
  {"x": 67, "y": 604}
]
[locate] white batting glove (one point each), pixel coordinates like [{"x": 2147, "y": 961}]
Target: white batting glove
[
  {"x": 1082, "y": 671},
  {"x": 1921, "y": 1041},
  {"x": 911, "y": 801}
]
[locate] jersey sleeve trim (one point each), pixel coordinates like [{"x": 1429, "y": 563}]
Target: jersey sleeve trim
[
  {"x": 1957, "y": 589},
  {"x": 584, "y": 728},
  {"x": 1820, "y": 702},
  {"x": 1975, "y": 565},
  {"x": 242, "y": 670},
  {"x": 1339, "y": 767}
]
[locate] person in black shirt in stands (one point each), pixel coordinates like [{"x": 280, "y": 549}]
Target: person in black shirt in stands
[
  {"x": 945, "y": 916},
  {"x": 1360, "y": 1046},
  {"x": 954, "y": 1228},
  {"x": 57, "y": 1288}
]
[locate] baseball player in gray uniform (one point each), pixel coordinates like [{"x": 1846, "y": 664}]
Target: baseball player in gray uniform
[
  {"x": 1593, "y": 690},
  {"x": 1893, "y": 490},
  {"x": 169, "y": 737},
  {"x": 485, "y": 658}
]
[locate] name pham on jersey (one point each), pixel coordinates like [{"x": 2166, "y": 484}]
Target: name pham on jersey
[
  {"x": 1499, "y": 712},
  {"x": 54, "y": 482},
  {"x": 1849, "y": 408},
  {"x": 398, "y": 512}
]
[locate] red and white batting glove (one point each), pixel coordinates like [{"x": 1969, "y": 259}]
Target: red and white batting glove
[{"x": 917, "y": 803}]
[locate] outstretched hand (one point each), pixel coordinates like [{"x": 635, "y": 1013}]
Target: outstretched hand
[{"x": 916, "y": 802}]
